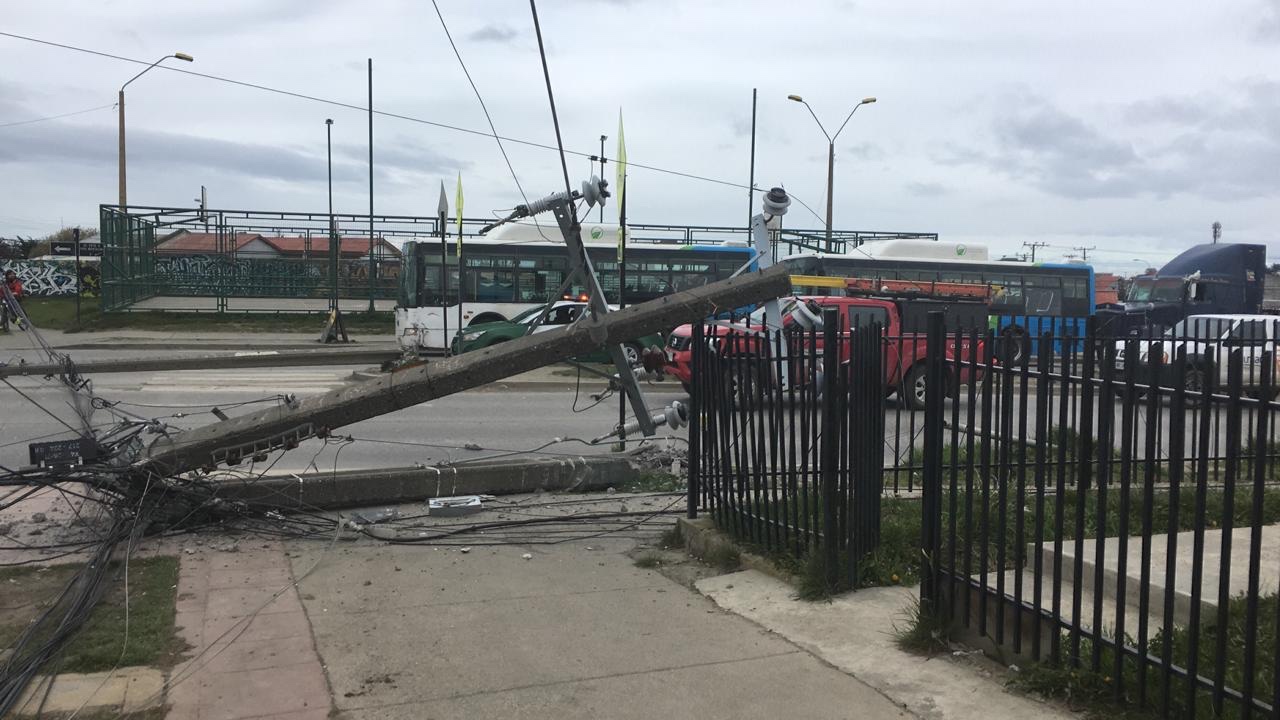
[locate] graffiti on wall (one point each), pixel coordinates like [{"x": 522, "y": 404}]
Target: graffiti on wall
[
  {"x": 213, "y": 275},
  {"x": 50, "y": 278}
]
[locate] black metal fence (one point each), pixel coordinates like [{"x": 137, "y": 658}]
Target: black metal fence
[
  {"x": 1106, "y": 506},
  {"x": 786, "y": 440}
]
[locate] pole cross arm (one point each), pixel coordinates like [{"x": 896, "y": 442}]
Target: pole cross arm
[{"x": 284, "y": 426}]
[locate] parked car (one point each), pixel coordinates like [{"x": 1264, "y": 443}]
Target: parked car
[
  {"x": 904, "y": 352},
  {"x": 1209, "y": 341},
  {"x": 562, "y": 313}
]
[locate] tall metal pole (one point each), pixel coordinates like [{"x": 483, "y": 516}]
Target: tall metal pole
[
  {"x": 751, "y": 181},
  {"x": 333, "y": 231},
  {"x": 622, "y": 301},
  {"x": 831, "y": 171},
  {"x": 602, "y": 161},
  {"x": 75, "y": 235},
  {"x": 442, "y": 209},
  {"x": 123, "y": 199},
  {"x": 371, "y": 265}
]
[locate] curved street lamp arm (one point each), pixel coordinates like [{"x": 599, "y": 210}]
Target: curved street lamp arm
[
  {"x": 846, "y": 121},
  {"x": 180, "y": 56},
  {"x": 815, "y": 119}
]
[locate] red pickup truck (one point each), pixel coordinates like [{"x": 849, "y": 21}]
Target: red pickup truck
[{"x": 905, "y": 352}]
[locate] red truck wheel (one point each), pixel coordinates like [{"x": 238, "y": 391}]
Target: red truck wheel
[{"x": 914, "y": 388}]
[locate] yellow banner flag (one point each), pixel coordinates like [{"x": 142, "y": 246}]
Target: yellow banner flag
[
  {"x": 620, "y": 185},
  {"x": 458, "y": 202}
]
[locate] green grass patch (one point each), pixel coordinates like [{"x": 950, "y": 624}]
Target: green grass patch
[
  {"x": 25, "y": 592},
  {"x": 897, "y": 559},
  {"x": 1102, "y": 516},
  {"x": 654, "y": 481},
  {"x": 1094, "y": 692},
  {"x": 60, "y": 314}
]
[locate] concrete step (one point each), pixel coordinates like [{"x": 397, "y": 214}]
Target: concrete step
[{"x": 1237, "y": 568}]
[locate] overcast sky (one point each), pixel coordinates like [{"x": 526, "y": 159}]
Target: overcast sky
[{"x": 1129, "y": 127}]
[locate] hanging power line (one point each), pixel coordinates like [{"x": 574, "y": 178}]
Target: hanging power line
[
  {"x": 57, "y": 117},
  {"x": 350, "y": 106}
]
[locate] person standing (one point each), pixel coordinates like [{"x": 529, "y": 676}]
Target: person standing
[{"x": 12, "y": 298}]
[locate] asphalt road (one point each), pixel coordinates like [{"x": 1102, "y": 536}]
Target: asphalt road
[
  {"x": 501, "y": 418},
  {"x": 494, "y": 419}
]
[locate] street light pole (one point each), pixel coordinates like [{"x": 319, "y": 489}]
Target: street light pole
[
  {"x": 120, "y": 104},
  {"x": 831, "y": 152},
  {"x": 602, "y": 161},
  {"x": 333, "y": 245}
]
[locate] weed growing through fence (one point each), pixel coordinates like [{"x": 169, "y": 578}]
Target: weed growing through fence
[
  {"x": 724, "y": 557},
  {"x": 1094, "y": 692},
  {"x": 923, "y": 633}
]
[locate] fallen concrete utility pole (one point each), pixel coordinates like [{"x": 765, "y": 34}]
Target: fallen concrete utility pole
[
  {"x": 254, "y": 434},
  {"x": 269, "y": 358},
  {"x": 385, "y": 486}
]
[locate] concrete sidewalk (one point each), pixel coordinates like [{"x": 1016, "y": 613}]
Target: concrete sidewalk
[
  {"x": 251, "y": 650},
  {"x": 854, "y": 632},
  {"x": 573, "y": 631}
]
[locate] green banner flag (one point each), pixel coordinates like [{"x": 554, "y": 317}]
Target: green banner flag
[{"x": 458, "y": 202}]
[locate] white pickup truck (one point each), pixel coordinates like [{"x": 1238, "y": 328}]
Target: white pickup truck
[{"x": 1209, "y": 341}]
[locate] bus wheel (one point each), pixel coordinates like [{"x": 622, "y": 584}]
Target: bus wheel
[{"x": 914, "y": 389}]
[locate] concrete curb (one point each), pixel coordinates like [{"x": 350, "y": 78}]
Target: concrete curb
[
  {"x": 358, "y": 488},
  {"x": 702, "y": 539}
]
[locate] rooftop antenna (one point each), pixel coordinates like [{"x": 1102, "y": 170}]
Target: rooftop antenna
[{"x": 1217, "y": 231}]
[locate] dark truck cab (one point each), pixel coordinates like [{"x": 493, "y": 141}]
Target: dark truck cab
[{"x": 1203, "y": 280}]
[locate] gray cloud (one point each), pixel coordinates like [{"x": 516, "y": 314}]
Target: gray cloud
[
  {"x": 1219, "y": 148},
  {"x": 494, "y": 33},
  {"x": 865, "y": 151},
  {"x": 150, "y": 149},
  {"x": 401, "y": 154},
  {"x": 1268, "y": 27},
  {"x": 927, "y": 189}
]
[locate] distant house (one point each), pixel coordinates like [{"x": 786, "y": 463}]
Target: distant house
[
  {"x": 254, "y": 245},
  {"x": 185, "y": 242},
  {"x": 1107, "y": 288}
]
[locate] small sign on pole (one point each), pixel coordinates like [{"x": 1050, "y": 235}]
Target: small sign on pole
[{"x": 62, "y": 453}]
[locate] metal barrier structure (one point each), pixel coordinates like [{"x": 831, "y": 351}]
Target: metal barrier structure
[
  {"x": 1103, "y": 508},
  {"x": 227, "y": 271},
  {"x": 785, "y": 447},
  {"x": 1109, "y": 506}
]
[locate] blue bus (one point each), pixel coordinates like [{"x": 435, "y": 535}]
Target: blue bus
[{"x": 1027, "y": 299}]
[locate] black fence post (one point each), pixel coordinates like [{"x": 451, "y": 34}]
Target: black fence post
[
  {"x": 698, "y": 357},
  {"x": 830, "y": 440},
  {"x": 931, "y": 490}
]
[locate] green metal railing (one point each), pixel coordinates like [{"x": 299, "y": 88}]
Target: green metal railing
[{"x": 135, "y": 268}]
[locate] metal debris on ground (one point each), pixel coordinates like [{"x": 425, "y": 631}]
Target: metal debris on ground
[{"x": 456, "y": 506}]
